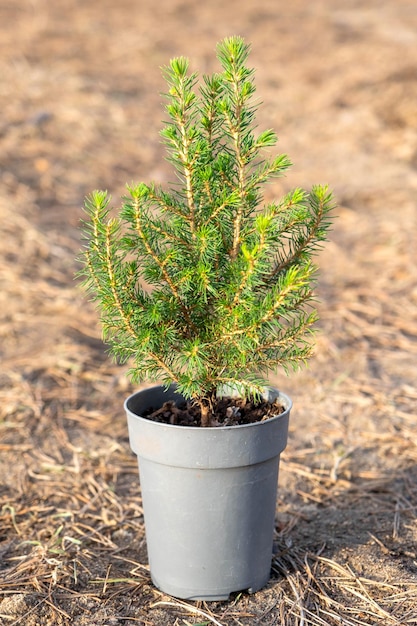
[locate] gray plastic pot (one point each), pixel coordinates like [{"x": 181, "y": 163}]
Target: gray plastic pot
[{"x": 209, "y": 498}]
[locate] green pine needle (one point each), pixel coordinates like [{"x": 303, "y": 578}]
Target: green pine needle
[{"x": 202, "y": 284}]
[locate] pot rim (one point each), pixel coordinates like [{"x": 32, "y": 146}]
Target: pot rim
[{"x": 287, "y": 405}]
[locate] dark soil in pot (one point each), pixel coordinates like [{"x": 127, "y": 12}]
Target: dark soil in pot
[{"x": 226, "y": 412}]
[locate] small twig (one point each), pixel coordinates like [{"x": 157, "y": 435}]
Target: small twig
[
  {"x": 188, "y": 607},
  {"x": 384, "y": 549},
  {"x": 338, "y": 461},
  {"x": 299, "y": 600}
]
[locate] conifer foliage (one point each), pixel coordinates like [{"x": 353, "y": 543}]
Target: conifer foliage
[{"x": 205, "y": 285}]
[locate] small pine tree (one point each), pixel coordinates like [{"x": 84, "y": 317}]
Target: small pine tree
[{"x": 204, "y": 285}]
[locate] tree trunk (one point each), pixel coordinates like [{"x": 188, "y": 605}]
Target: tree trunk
[
  {"x": 206, "y": 407},
  {"x": 205, "y": 414}
]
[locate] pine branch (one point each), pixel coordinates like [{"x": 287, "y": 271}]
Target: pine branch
[
  {"x": 161, "y": 264},
  {"x": 292, "y": 293},
  {"x": 264, "y": 172},
  {"x": 232, "y": 55},
  {"x": 166, "y": 203},
  {"x": 306, "y": 239},
  {"x": 252, "y": 259},
  {"x": 181, "y": 111}
]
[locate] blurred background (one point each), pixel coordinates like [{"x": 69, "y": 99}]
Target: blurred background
[
  {"x": 81, "y": 104},
  {"x": 81, "y": 108}
]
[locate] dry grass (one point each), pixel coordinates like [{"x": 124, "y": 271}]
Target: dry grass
[
  {"x": 72, "y": 543},
  {"x": 73, "y": 548}
]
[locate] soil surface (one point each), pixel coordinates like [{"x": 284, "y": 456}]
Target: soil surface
[
  {"x": 225, "y": 412},
  {"x": 79, "y": 95}
]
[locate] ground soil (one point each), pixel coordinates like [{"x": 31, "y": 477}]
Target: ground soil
[{"x": 79, "y": 96}]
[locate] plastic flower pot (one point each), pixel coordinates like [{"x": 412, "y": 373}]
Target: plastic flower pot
[{"x": 209, "y": 498}]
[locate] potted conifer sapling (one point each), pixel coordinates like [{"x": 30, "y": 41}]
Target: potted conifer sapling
[{"x": 206, "y": 290}]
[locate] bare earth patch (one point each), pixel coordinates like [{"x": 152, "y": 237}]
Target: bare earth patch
[{"x": 80, "y": 110}]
